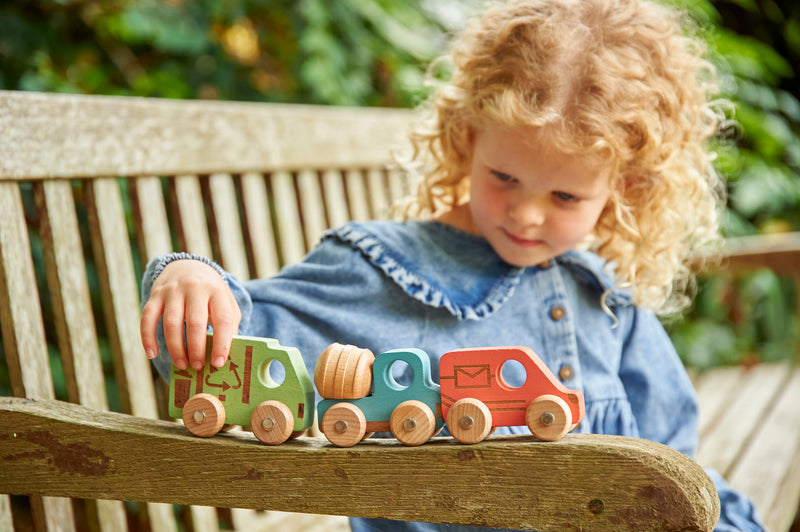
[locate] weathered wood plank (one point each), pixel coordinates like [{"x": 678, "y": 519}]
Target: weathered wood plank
[
  {"x": 59, "y": 135},
  {"x": 190, "y": 215},
  {"x": 153, "y": 236},
  {"x": 288, "y": 221},
  {"x": 640, "y": 485},
  {"x": 312, "y": 207},
  {"x": 335, "y": 198},
  {"x": 120, "y": 296},
  {"x": 357, "y": 197},
  {"x": 774, "y": 485},
  {"x": 6, "y": 519},
  {"x": 150, "y": 218},
  {"x": 779, "y": 252},
  {"x": 69, "y": 293},
  {"x": 23, "y": 334},
  {"x": 734, "y": 428},
  {"x": 259, "y": 233},
  {"x": 716, "y": 389},
  {"x": 378, "y": 194},
  {"x": 20, "y": 313},
  {"x": 75, "y": 327},
  {"x": 119, "y": 286},
  {"x": 226, "y": 224}
]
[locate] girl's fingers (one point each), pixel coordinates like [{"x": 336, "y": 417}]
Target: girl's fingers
[
  {"x": 173, "y": 332},
  {"x": 196, "y": 331},
  {"x": 225, "y": 318},
  {"x": 151, "y": 313}
]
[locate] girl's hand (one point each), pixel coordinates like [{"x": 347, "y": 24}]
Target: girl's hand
[{"x": 190, "y": 292}]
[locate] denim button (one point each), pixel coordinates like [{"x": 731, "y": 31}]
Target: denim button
[
  {"x": 565, "y": 373},
  {"x": 557, "y": 313}
]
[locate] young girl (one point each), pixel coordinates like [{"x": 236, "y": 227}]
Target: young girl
[{"x": 565, "y": 185}]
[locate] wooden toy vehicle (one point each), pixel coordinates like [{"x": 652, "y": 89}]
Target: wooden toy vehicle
[
  {"x": 476, "y": 398},
  {"x": 473, "y": 396},
  {"x": 244, "y": 392},
  {"x": 347, "y": 413}
]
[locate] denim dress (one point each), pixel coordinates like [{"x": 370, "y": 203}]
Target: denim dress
[{"x": 389, "y": 285}]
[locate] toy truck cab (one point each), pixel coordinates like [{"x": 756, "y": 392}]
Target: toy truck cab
[
  {"x": 410, "y": 412},
  {"x": 476, "y": 397},
  {"x": 244, "y": 392}
]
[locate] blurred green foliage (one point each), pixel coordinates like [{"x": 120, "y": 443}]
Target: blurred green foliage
[
  {"x": 375, "y": 52},
  {"x": 751, "y": 317},
  {"x": 348, "y": 52}
]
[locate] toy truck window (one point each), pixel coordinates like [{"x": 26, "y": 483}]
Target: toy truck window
[
  {"x": 271, "y": 373},
  {"x": 399, "y": 375},
  {"x": 513, "y": 373}
]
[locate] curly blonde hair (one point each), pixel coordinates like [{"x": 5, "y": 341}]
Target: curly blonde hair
[{"x": 623, "y": 79}]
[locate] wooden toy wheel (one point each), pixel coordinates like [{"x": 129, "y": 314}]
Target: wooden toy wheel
[
  {"x": 203, "y": 414},
  {"x": 272, "y": 422},
  {"x": 548, "y": 417},
  {"x": 412, "y": 422},
  {"x": 344, "y": 425},
  {"x": 344, "y": 372},
  {"x": 469, "y": 420}
]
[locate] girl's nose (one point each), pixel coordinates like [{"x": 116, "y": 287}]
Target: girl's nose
[{"x": 528, "y": 210}]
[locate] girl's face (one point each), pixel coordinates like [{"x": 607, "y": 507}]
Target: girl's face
[{"x": 529, "y": 200}]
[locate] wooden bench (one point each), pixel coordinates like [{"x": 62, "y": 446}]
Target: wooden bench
[
  {"x": 90, "y": 187},
  {"x": 750, "y": 417}
]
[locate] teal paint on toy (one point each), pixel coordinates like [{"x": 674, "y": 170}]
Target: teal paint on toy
[
  {"x": 245, "y": 381},
  {"x": 388, "y": 393}
]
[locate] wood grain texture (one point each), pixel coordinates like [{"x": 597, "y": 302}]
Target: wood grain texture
[
  {"x": 258, "y": 230},
  {"x": 750, "y": 432},
  {"x": 120, "y": 289},
  {"x": 69, "y": 296},
  {"x": 23, "y": 334},
  {"x": 627, "y": 484},
  {"x": 59, "y": 135},
  {"x": 778, "y": 252}
]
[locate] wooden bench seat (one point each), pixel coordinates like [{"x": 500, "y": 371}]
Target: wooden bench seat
[{"x": 91, "y": 187}]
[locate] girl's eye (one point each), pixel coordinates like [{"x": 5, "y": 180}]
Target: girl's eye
[
  {"x": 565, "y": 197},
  {"x": 505, "y": 178}
]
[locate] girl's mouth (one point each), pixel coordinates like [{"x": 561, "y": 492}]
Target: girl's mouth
[{"x": 522, "y": 242}]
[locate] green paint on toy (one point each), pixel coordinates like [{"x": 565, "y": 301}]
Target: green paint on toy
[{"x": 257, "y": 370}]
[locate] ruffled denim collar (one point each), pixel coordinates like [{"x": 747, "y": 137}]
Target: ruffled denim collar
[{"x": 444, "y": 267}]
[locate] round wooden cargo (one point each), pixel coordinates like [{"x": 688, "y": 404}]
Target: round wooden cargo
[{"x": 344, "y": 372}]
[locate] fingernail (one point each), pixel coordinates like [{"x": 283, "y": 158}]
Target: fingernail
[
  {"x": 197, "y": 365},
  {"x": 180, "y": 364},
  {"x": 219, "y": 361},
  {"x": 150, "y": 354}
]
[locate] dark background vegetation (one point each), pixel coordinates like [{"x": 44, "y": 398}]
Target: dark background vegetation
[{"x": 375, "y": 53}]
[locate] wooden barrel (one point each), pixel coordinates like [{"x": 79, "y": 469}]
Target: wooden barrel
[{"x": 344, "y": 372}]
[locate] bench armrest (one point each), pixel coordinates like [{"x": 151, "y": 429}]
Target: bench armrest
[{"x": 53, "y": 448}]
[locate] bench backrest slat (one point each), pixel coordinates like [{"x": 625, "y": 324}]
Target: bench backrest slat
[
  {"x": 69, "y": 294},
  {"x": 190, "y": 216},
  {"x": 258, "y": 227},
  {"x": 333, "y": 190},
  {"x": 150, "y": 217},
  {"x": 120, "y": 290},
  {"x": 287, "y": 218},
  {"x": 226, "y": 225},
  {"x": 26, "y": 347}
]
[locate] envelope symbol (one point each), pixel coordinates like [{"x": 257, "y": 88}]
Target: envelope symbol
[{"x": 472, "y": 376}]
